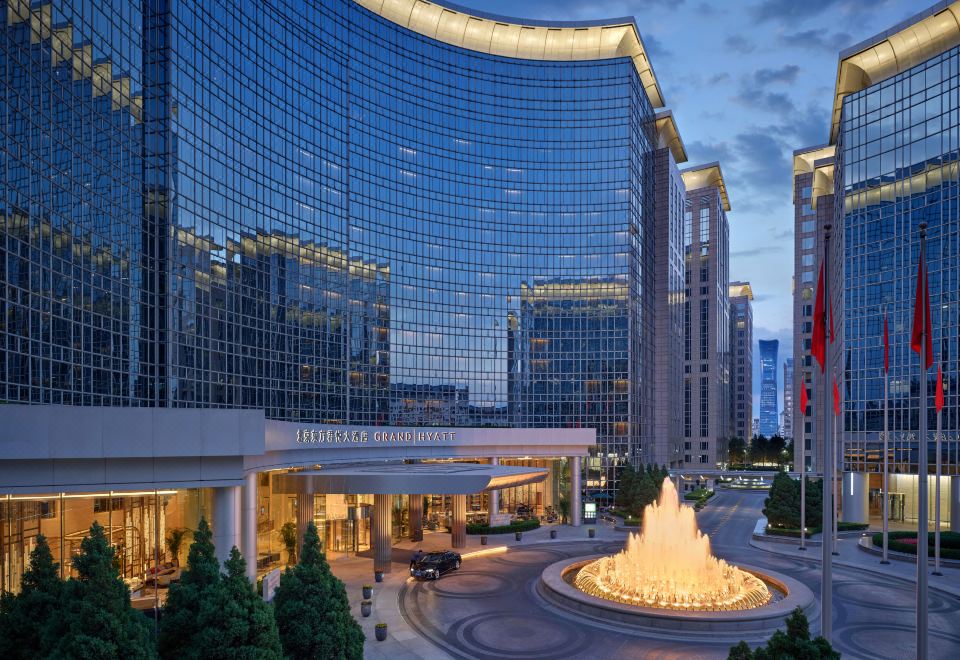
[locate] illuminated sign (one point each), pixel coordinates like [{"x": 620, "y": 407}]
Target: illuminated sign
[
  {"x": 325, "y": 436},
  {"x": 590, "y": 510}
]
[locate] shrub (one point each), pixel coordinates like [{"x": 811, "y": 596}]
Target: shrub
[
  {"x": 518, "y": 526},
  {"x": 794, "y": 643},
  {"x": 907, "y": 542}
]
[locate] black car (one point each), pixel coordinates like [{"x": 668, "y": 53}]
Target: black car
[{"x": 434, "y": 564}]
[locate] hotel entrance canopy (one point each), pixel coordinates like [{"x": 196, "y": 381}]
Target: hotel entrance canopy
[{"x": 389, "y": 478}]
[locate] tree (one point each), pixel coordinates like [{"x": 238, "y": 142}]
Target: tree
[
  {"x": 774, "y": 453},
  {"x": 209, "y": 615},
  {"x": 174, "y": 541},
  {"x": 646, "y": 494},
  {"x": 312, "y": 610},
  {"x": 737, "y": 451},
  {"x": 288, "y": 534},
  {"x": 759, "y": 449},
  {"x": 23, "y": 617},
  {"x": 181, "y": 614},
  {"x": 95, "y": 619},
  {"x": 627, "y": 485},
  {"x": 782, "y": 507},
  {"x": 563, "y": 506},
  {"x": 794, "y": 643}
]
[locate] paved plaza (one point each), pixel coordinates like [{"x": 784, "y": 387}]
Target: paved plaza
[{"x": 490, "y": 609}]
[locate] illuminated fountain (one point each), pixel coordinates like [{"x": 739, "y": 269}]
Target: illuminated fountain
[{"x": 670, "y": 566}]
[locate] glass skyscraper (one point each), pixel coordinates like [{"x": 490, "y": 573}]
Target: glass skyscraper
[
  {"x": 769, "y": 415},
  {"x": 310, "y": 209}
]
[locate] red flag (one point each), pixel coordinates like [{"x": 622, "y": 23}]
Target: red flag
[
  {"x": 921, "y": 340},
  {"x": 939, "y": 398},
  {"x": 886, "y": 346},
  {"x": 818, "y": 345},
  {"x": 803, "y": 398},
  {"x": 836, "y": 398}
]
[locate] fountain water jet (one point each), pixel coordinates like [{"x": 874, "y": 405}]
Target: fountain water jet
[{"x": 670, "y": 566}]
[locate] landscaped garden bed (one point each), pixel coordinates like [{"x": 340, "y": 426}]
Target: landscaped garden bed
[
  {"x": 907, "y": 542},
  {"x": 518, "y": 526}
]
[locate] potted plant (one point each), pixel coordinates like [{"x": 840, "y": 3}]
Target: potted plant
[
  {"x": 564, "y": 506},
  {"x": 174, "y": 541},
  {"x": 381, "y": 631},
  {"x": 378, "y": 576},
  {"x": 553, "y": 533},
  {"x": 483, "y": 539},
  {"x": 365, "y": 607},
  {"x": 518, "y": 536},
  {"x": 288, "y": 534},
  {"x": 367, "y": 591},
  {"x": 591, "y": 532}
]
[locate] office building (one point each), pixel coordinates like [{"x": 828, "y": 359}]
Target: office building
[
  {"x": 894, "y": 145},
  {"x": 706, "y": 317},
  {"x": 248, "y": 254},
  {"x": 786, "y": 425},
  {"x": 741, "y": 348},
  {"x": 669, "y": 286},
  {"x": 769, "y": 413}
]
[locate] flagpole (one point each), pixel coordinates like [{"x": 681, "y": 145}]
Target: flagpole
[
  {"x": 936, "y": 501},
  {"x": 826, "y": 583},
  {"x": 833, "y": 481},
  {"x": 922, "y": 526},
  {"x": 886, "y": 454},
  {"x": 803, "y": 508}
]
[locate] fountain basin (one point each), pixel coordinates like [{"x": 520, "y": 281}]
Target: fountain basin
[{"x": 756, "y": 623}]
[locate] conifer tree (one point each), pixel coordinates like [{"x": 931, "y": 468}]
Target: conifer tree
[
  {"x": 95, "y": 619},
  {"x": 312, "y": 610},
  {"x": 23, "y": 617}
]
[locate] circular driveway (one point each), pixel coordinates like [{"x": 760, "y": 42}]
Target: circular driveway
[{"x": 490, "y": 609}]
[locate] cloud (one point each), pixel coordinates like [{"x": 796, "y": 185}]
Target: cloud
[
  {"x": 790, "y": 10},
  {"x": 817, "y": 40},
  {"x": 739, "y": 44},
  {"x": 785, "y": 74},
  {"x": 656, "y": 48},
  {"x": 757, "y": 251},
  {"x": 700, "y": 152}
]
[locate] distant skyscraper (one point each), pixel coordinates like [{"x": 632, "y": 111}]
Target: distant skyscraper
[
  {"x": 768, "y": 387},
  {"x": 755, "y": 427},
  {"x": 741, "y": 368},
  {"x": 787, "y": 431}
]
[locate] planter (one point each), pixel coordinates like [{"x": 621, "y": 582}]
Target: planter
[
  {"x": 591, "y": 532},
  {"x": 365, "y": 606},
  {"x": 367, "y": 591},
  {"x": 518, "y": 536},
  {"x": 378, "y": 576},
  {"x": 381, "y": 631},
  {"x": 483, "y": 540},
  {"x": 553, "y": 533}
]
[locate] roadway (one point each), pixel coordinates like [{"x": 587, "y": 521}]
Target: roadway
[{"x": 489, "y": 609}]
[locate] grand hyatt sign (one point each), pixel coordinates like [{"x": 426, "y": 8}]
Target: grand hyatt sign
[{"x": 308, "y": 436}]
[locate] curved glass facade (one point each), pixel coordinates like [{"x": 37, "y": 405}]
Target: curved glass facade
[
  {"x": 898, "y": 152},
  {"x": 305, "y": 208}
]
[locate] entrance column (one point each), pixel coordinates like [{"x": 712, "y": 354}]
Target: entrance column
[
  {"x": 576, "y": 496},
  {"x": 459, "y": 523},
  {"x": 415, "y": 506},
  {"x": 226, "y": 520},
  {"x": 249, "y": 527},
  {"x": 855, "y": 497},
  {"x": 382, "y": 532},
  {"x": 955, "y": 503},
  {"x": 304, "y": 518},
  {"x": 494, "y": 500}
]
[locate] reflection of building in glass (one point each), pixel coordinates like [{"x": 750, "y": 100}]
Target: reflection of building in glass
[
  {"x": 741, "y": 370},
  {"x": 892, "y": 163},
  {"x": 571, "y": 348},
  {"x": 769, "y": 414},
  {"x": 787, "y": 430},
  {"x": 706, "y": 317}
]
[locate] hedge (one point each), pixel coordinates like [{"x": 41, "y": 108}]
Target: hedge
[
  {"x": 519, "y": 526},
  {"x": 700, "y": 495},
  {"x": 949, "y": 543},
  {"x": 795, "y": 533}
]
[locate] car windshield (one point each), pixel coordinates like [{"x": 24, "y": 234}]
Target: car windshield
[{"x": 432, "y": 558}]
